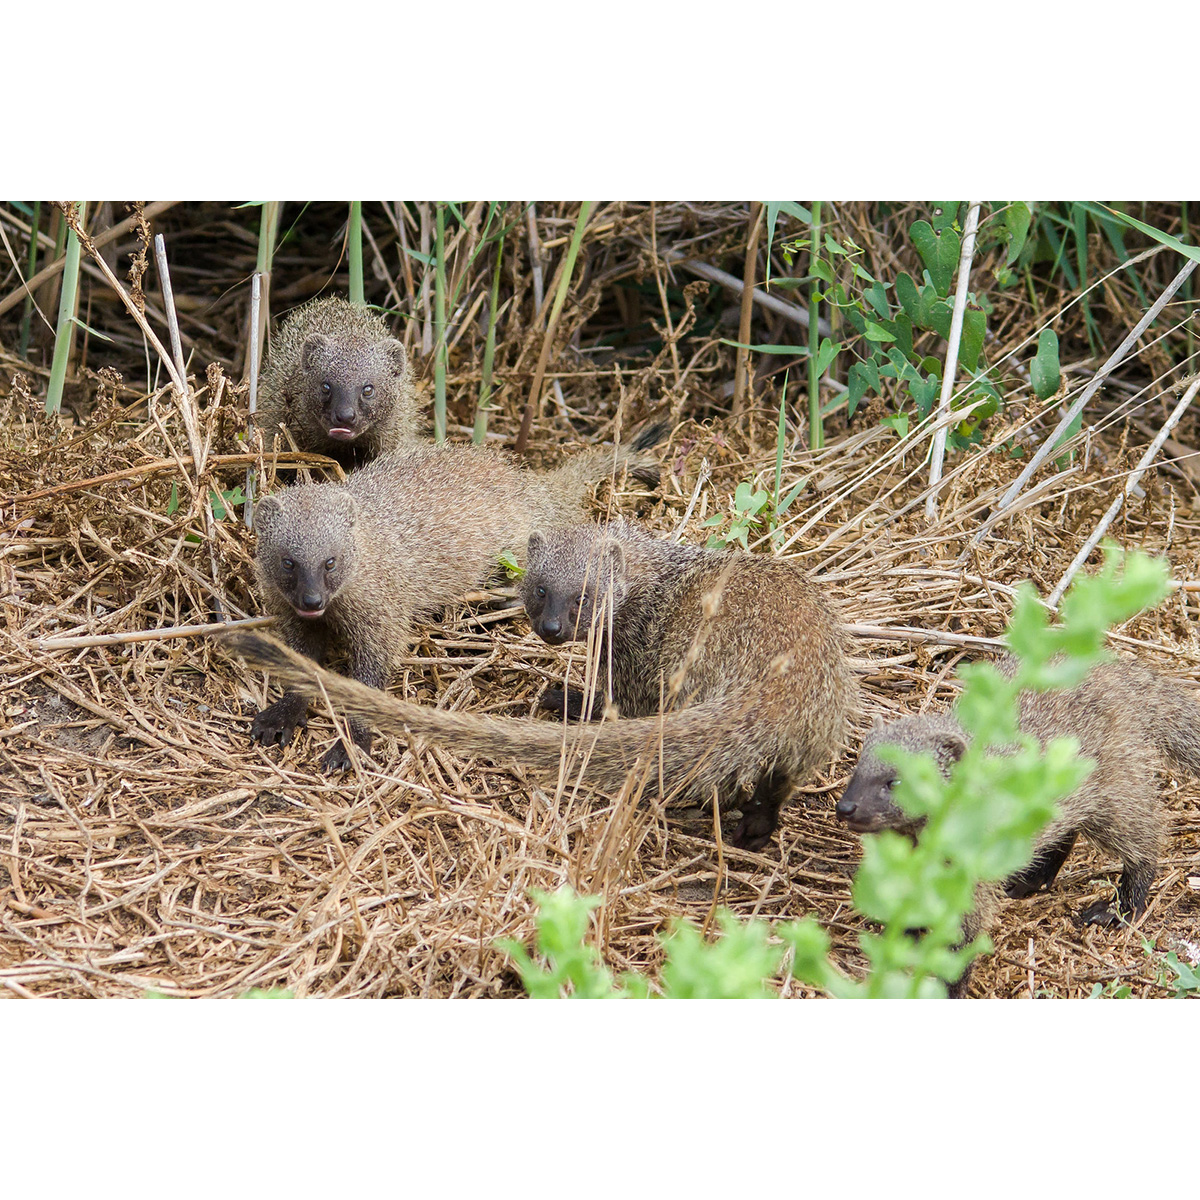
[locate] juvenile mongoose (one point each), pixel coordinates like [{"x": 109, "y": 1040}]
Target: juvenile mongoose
[
  {"x": 358, "y": 563},
  {"x": 742, "y": 651},
  {"x": 339, "y": 382},
  {"x": 1126, "y": 717}
]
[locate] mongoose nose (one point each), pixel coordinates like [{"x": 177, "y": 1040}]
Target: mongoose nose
[
  {"x": 845, "y": 809},
  {"x": 345, "y": 417},
  {"x": 311, "y": 602},
  {"x": 551, "y": 628}
]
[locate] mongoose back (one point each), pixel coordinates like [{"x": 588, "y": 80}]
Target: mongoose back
[
  {"x": 1126, "y": 717},
  {"x": 339, "y": 382},
  {"x": 358, "y": 563},
  {"x": 742, "y": 652}
]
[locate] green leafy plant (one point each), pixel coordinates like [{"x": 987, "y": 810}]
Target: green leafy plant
[{"x": 743, "y": 517}]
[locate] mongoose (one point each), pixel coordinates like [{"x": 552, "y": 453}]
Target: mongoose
[
  {"x": 339, "y": 382},
  {"x": 1122, "y": 715},
  {"x": 358, "y": 563},
  {"x": 742, "y": 651}
]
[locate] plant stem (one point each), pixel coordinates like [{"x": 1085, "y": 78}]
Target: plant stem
[
  {"x": 268, "y": 231},
  {"x": 489, "y": 351},
  {"x": 439, "y": 324},
  {"x": 816, "y": 428},
  {"x": 27, "y": 313},
  {"x": 741, "y": 372},
  {"x": 354, "y": 237},
  {"x": 564, "y": 283},
  {"x": 64, "y": 334}
]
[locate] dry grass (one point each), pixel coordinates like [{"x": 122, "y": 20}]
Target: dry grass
[{"x": 145, "y": 844}]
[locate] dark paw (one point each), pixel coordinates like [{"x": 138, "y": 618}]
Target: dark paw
[
  {"x": 1018, "y": 888},
  {"x": 560, "y": 702},
  {"x": 338, "y": 757},
  {"x": 278, "y": 722},
  {"x": 753, "y": 832},
  {"x": 1100, "y": 913}
]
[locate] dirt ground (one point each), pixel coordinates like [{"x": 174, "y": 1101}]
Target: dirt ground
[{"x": 146, "y": 844}]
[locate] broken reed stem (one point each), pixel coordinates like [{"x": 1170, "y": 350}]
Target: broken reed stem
[
  {"x": 956, "y": 324},
  {"x": 816, "y": 427},
  {"x": 255, "y": 353},
  {"x": 749, "y": 271},
  {"x": 31, "y": 267},
  {"x": 1050, "y": 443},
  {"x": 1130, "y": 483},
  {"x": 152, "y": 635},
  {"x": 354, "y": 252},
  {"x": 479, "y": 433},
  {"x": 933, "y": 637},
  {"x": 186, "y": 407},
  {"x": 535, "y": 261},
  {"x": 439, "y": 325},
  {"x": 533, "y": 406},
  {"x": 68, "y": 305}
]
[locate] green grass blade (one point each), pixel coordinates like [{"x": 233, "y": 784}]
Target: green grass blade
[
  {"x": 354, "y": 251},
  {"x": 65, "y": 333}
]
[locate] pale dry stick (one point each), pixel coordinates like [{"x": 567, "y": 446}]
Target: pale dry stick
[
  {"x": 54, "y": 268},
  {"x": 426, "y": 234},
  {"x": 956, "y": 324},
  {"x": 934, "y": 637},
  {"x": 151, "y": 635},
  {"x": 741, "y": 371},
  {"x": 662, "y": 291},
  {"x": 255, "y": 353},
  {"x": 539, "y": 295},
  {"x": 731, "y": 282},
  {"x": 1050, "y": 443},
  {"x": 1115, "y": 507},
  {"x": 186, "y": 408},
  {"x": 701, "y": 479}
]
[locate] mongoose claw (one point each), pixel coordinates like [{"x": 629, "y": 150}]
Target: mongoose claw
[
  {"x": 278, "y": 722},
  {"x": 568, "y": 702},
  {"x": 753, "y": 832},
  {"x": 337, "y": 758}
]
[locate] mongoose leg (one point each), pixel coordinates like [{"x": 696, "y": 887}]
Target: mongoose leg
[
  {"x": 1041, "y": 872},
  {"x": 1132, "y": 891},
  {"x": 369, "y": 666},
  {"x": 278, "y": 722},
  {"x": 760, "y": 814}
]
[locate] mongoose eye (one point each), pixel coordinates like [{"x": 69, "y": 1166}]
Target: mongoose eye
[
  {"x": 541, "y": 593},
  {"x": 326, "y": 388},
  {"x": 288, "y": 564},
  {"x": 329, "y": 564},
  {"x": 368, "y": 389}
]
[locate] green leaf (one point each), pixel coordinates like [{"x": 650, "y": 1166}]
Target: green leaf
[
  {"x": 822, "y": 270},
  {"x": 1016, "y": 217},
  {"x": 971, "y": 342},
  {"x": 827, "y": 352},
  {"x": 898, "y": 422},
  {"x": 1044, "y": 371},
  {"x": 772, "y": 348},
  {"x": 876, "y": 333},
  {"x": 938, "y": 251},
  {"x": 173, "y": 502},
  {"x": 862, "y": 376}
]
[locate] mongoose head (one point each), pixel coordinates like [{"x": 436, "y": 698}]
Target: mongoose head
[
  {"x": 306, "y": 544},
  {"x": 350, "y": 382},
  {"x": 867, "y": 804},
  {"x": 569, "y": 574}
]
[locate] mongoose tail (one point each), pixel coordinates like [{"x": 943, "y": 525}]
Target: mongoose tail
[{"x": 681, "y": 742}]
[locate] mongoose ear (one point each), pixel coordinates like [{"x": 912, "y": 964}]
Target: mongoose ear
[
  {"x": 612, "y": 555},
  {"x": 951, "y": 746},
  {"x": 394, "y": 349},
  {"x": 315, "y": 345},
  {"x": 345, "y": 506},
  {"x": 266, "y": 513},
  {"x": 536, "y": 550}
]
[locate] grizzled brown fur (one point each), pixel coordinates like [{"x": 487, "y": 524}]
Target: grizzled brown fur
[
  {"x": 339, "y": 382},
  {"x": 357, "y": 564},
  {"x": 743, "y": 652},
  {"x": 1126, "y": 717}
]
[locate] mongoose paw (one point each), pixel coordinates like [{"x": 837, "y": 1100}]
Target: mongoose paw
[
  {"x": 337, "y": 758},
  {"x": 278, "y": 722},
  {"x": 562, "y": 701},
  {"x": 1017, "y": 888},
  {"x": 754, "y": 831},
  {"x": 1100, "y": 913}
]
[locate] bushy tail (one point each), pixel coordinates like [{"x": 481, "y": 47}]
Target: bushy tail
[
  {"x": 682, "y": 744},
  {"x": 566, "y": 486},
  {"x": 1172, "y": 716}
]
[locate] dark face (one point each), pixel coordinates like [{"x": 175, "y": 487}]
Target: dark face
[
  {"x": 867, "y": 803},
  {"x": 352, "y": 384},
  {"x": 567, "y": 578},
  {"x": 307, "y": 560}
]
